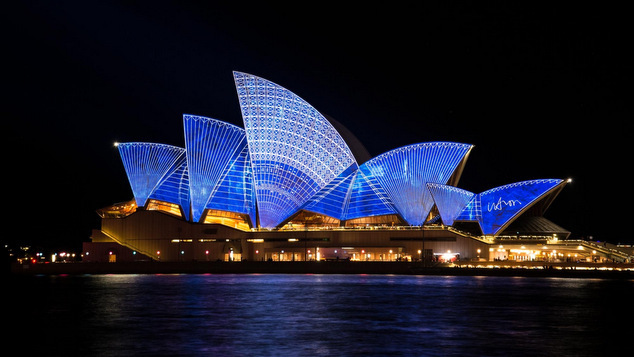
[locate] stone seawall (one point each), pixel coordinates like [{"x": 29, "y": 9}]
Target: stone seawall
[{"x": 340, "y": 267}]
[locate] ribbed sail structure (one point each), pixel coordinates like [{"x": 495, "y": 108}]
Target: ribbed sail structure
[
  {"x": 289, "y": 157},
  {"x": 212, "y": 147},
  {"x": 449, "y": 200},
  {"x": 294, "y": 150},
  {"x": 235, "y": 191},
  {"x": 472, "y": 212},
  {"x": 332, "y": 199},
  {"x": 404, "y": 173},
  {"x": 175, "y": 187},
  {"x": 147, "y": 165},
  {"x": 367, "y": 197}
]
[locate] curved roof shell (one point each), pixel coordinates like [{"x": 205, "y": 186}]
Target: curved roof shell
[
  {"x": 213, "y": 147},
  {"x": 289, "y": 157},
  {"x": 295, "y": 151},
  {"x": 175, "y": 187},
  {"x": 498, "y": 207},
  {"x": 449, "y": 200},
  {"x": 147, "y": 165},
  {"x": 404, "y": 172}
]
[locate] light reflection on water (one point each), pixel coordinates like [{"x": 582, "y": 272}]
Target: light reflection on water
[{"x": 321, "y": 315}]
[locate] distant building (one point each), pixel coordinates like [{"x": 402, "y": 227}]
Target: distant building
[{"x": 294, "y": 184}]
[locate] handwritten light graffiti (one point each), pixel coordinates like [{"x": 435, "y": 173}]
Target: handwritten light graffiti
[
  {"x": 500, "y": 204},
  {"x": 493, "y": 214}
]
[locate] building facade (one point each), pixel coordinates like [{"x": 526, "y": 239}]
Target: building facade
[{"x": 288, "y": 186}]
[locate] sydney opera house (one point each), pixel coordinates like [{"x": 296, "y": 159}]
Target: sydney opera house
[{"x": 294, "y": 184}]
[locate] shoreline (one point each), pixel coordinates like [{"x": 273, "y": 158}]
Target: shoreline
[{"x": 567, "y": 270}]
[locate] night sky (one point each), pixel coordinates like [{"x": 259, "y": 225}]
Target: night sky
[{"x": 538, "y": 89}]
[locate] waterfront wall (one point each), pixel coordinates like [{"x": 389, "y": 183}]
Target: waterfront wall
[{"x": 567, "y": 270}]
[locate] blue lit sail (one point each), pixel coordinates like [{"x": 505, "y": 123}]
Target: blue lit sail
[
  {"x": 235, "y": 191},
  {"x": 404, "y": 173},
  {"x": 175, "y": 187},
  {"x": 147, "y": 165},
  {"x": 332, "y": 199},
  {"x": 294, "y": 150},
  {"x": 212, "y": 147},
  {"x": 367, "y": 197},
  {"x": 289, "y": 157},
  {"x": 472, "y": 212},
  {"x": 449, "y": 200},
  {"x": 496, "y": 208},
  {"x": 502, "y": 204}
]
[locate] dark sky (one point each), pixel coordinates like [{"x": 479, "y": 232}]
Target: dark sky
[{"x": 538, "y": 89}]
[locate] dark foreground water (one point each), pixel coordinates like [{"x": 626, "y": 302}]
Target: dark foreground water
[{"x": 317, "y": 315}]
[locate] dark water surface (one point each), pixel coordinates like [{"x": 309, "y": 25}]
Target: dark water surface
[{"x": 318, "y": 315}]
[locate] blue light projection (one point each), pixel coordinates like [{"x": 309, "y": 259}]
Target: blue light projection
[
  {"x": 367, "y": 197},
  {"x": 472, "y": 212},
  {"x": 147, "y": 165},
  {"x": 404, "y": 172},
  {"x": 289, "y": 157},
  {"x": 212, "y": 148},
  {"x": 332, "y": 200},
  {"x": 496, "y": 208},
  {"x": 502, "y": 204},
  {"x": 294, "y": 150},
  {"x": 398, "y": 176},
  {"x": 449, "y": 200},
  {"x": 175, "y": 187},
  {"x": 235, "y": 191}
]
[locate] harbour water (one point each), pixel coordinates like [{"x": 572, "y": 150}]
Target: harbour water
[{"x": 317, "y": 315}]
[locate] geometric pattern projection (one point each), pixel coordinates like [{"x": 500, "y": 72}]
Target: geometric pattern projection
[
  {"x": 235, "y": 191},
  {"x": 289, "y": 157},
  {"x": 146, "y": 165},
  {"x": 331, "y": 200},
  {"x": 472, "y": 212},
  {"x": 405, "y": 172},
  {"x": 212, "y": 147},
  {"x": 294, "y": 150},
  {"x": 450, "y": 200},
  {"x": 367, "y": 197},
  {"x": 175, "y": 187}
]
